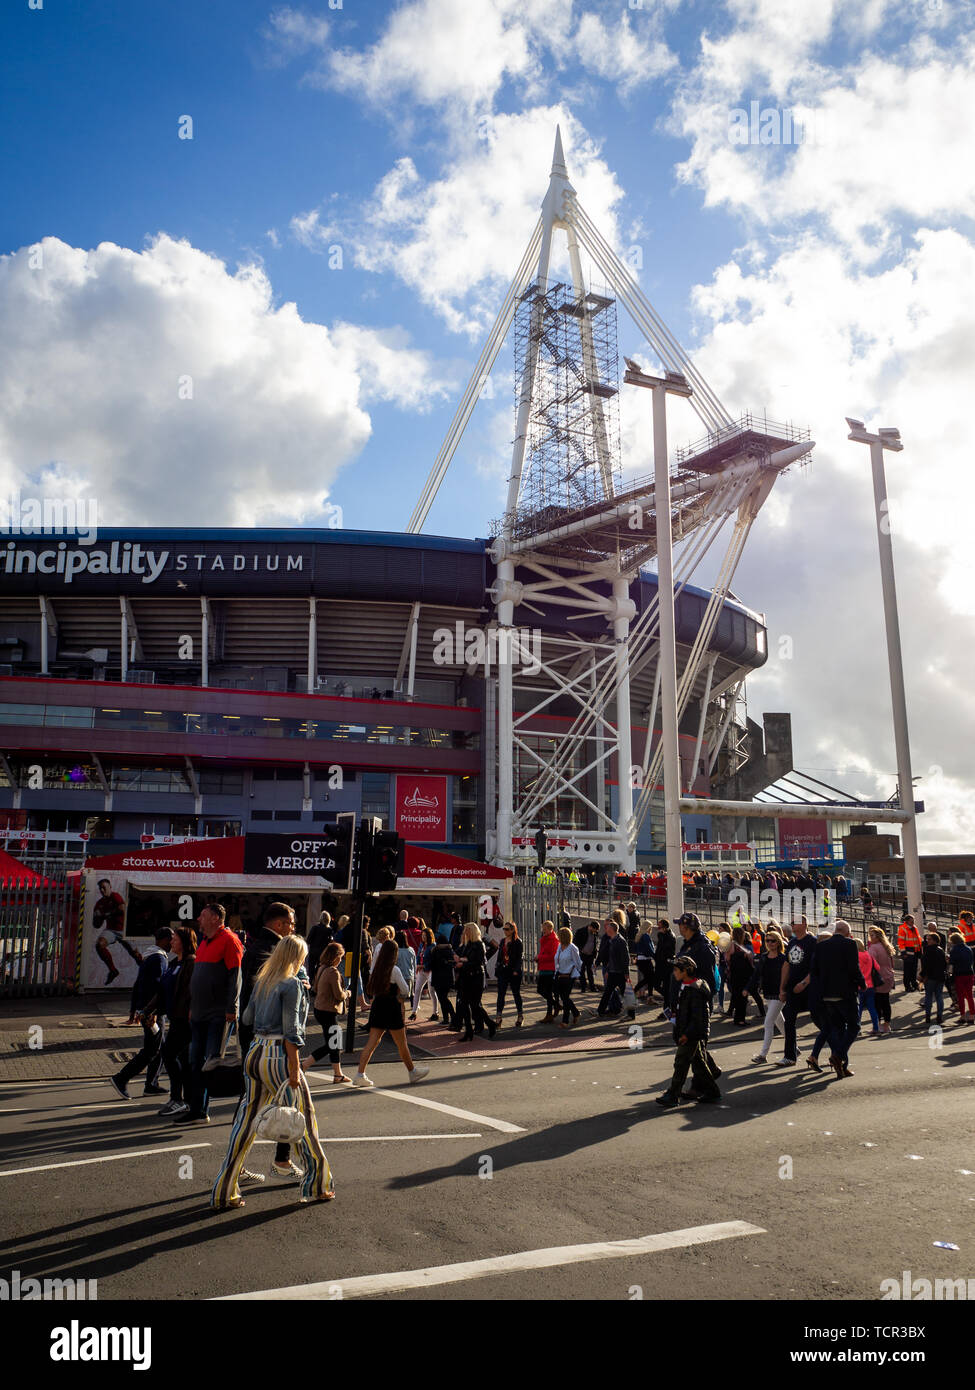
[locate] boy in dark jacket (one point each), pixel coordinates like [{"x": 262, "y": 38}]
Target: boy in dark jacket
[
  {"x": 145, "y": 988},
  {"x": 692, "y": 1028}
]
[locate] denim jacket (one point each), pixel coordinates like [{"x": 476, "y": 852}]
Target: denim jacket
[{"x": 282, "y": 1010}]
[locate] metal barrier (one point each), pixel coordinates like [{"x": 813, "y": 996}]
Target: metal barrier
[{"x": 38, "y": 939}]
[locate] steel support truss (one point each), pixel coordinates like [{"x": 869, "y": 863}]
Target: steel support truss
[{"x": 584, "y": 567}]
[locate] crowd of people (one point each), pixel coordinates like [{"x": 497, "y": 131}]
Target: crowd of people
[{"x": 204, "y": 983}]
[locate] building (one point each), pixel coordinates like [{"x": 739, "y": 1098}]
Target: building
[{"x": 184, "y": 683}]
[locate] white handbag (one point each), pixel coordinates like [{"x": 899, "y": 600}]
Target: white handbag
[{"x": 285, "y": 1124}]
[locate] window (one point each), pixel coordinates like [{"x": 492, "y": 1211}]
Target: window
[
  {"x": 262, "y": 815},
  {"x": 465, "y": 790},
  {"x": 464, "y": 826},
  {"x": 287, "y": 815},
  {"x": 148, "y": 779},
  {"x": 221, "y": 827},
  {"x": 183, "y": 825},
  {"x": 375, "y": 795},
  {"x": 220, "y": 783}
]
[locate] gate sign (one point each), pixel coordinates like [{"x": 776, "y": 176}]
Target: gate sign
[
  {"x": 290, "y": 854},
  {"x": 421, "y": 808},
  {"x": 713, "y": 847}
]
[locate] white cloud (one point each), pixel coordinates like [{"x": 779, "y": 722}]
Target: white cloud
[
  {"x": 388, "y": 368},
  {"x": 887, "y": 136},
  {"x": 96, "y": 347},
  {"x": 442, "y": 53},
  {"x": 456, "y": 240},
  {"x": 814, "y": 337}
]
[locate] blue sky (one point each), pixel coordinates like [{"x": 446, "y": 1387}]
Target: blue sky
[{"x": 818, "y": 280}]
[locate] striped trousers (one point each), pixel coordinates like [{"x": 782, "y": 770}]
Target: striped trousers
[{"x": 265, "y": 1071}]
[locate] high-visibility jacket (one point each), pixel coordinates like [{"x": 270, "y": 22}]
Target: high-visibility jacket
[
  {"x": 908, "y": 938},
  {"x": 738, "y": 919},
  {"x": 967, "y": 930},
  {"x": 757, "y": 942}
]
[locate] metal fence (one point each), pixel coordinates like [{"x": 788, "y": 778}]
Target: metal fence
[
  {"x": 536, "y": 902},
  {"x": 38, "y": 939}
]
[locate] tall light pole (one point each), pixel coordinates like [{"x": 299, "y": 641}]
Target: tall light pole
[
  {"x": 669, "y": 384},
  {"x": 891, "y": 439}
]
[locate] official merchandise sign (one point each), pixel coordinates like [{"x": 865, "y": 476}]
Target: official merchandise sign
[
  {"x": 289, "y": 854},
  {"x": 421, "y": 808}
]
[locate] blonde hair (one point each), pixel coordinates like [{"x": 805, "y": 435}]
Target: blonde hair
[
  {"x": 619, "y": 917},
  {"x": 882, "y": 940},
  {"x": 471, "y": 932},
  {"x": 284, "y": 961},
  {"x": 957, "y": 936},
  {"x": 777, "y": 938},
  {"x": 385, "y": 934},
  {"x": 343, "y": 921},
  {"x": 547, "y": 927},
  {"x": 565, "y": 936}
]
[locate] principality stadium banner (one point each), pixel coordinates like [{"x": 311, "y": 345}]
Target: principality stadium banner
[{"x": 421, "y": 808}]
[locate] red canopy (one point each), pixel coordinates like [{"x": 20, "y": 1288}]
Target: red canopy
[
  {"x": 434, "y": 864},
  {"x": 14, "y": 874}
]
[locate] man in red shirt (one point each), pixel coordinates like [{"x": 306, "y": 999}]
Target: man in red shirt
[{"x": 214, "y": 999}]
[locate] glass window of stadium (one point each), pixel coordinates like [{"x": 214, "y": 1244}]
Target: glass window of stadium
[
  {"x": 375, "y": 795},
  {"x": 221, "y": 827}
]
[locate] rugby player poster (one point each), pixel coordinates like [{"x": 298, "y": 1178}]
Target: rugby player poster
[{"x": 421, "y": 809}]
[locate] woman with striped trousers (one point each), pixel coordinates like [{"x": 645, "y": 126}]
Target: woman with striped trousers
[{"x": 277, "y": 1012}]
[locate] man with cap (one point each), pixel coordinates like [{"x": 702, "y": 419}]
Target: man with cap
[
  {"x": 692, "y": 1027},
  {"x": 699, "y": 948}
]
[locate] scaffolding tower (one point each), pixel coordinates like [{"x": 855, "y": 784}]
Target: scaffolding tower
[{"x": 572, "y": 446}]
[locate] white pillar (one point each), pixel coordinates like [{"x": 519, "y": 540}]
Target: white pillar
[
  {"x": 700, "y": 727},
  {"x": 125, "y": 640},
  {"x": 600, "y": 745},
  {"x": 312, "y": 645},
  {"x": 506, "y": 717},
  {"x": 905, "y": 781},
  {"x": 667, "y": 658},
  {"x": 44, "y": 636},
  {"x": 623, "y": 610},
  {"x": 411, "y": 673},
  {"x": 205, "y": 639}
]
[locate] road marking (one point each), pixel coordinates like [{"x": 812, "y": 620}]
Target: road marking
[
  {"x": 381, "y": 1138},
  {"x": 364, "y": 1286},
  {"x": 109, "y": 1158},
  {"x": 503, "y": 1125}
]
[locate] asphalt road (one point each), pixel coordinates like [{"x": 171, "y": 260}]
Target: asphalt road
[{"x": 879, "y": 1170}]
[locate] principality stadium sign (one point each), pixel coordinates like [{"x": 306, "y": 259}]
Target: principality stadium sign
[{"x": 30, "y": 567}]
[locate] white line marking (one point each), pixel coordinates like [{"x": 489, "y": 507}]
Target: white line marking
[
  {"x": 363, "y": 1286},
  {"x": 380, "y": 1138},
  {"x": 503, "y": 1125},
  {"x": 109, "y": 1158}
]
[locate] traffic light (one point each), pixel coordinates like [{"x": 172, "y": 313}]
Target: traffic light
[
  {"x": 385, "y": 862},
  {"x": 341, "y": 848}
]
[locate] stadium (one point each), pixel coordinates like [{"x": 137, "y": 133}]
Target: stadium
[{"x": 218, "y": 692}]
